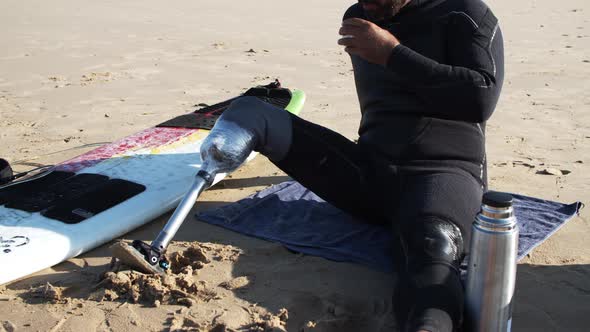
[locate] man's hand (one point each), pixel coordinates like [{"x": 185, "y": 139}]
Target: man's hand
[{"x": 367, "y": 40}]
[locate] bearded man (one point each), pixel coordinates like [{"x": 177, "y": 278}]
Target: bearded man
[{"x": 428, "y": 75}]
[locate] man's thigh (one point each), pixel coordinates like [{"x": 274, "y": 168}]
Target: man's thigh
[
  {"x": 449, "y": 195},
  {"x": 331, "y": 166}
]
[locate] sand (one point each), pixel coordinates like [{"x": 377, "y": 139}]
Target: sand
[{"x": 78, "y": 73}]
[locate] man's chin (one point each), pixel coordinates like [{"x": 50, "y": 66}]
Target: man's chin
[{"x": 374, "y": 17}]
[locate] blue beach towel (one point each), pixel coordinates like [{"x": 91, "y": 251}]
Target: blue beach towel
[{"x": 290, "y": 214}]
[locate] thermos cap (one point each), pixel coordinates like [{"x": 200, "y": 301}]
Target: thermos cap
[
  {"x": 497, "y": 199},
  {"x": 497, "y": 213}
]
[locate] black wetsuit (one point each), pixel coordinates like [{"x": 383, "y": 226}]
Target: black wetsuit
[{"x": 419, "y": 164}]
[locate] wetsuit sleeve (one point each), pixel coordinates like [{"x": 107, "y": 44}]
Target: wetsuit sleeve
[{"x": 466, "y": 88}]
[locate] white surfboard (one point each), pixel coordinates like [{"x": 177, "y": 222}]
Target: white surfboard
[{"x": 155, "y": 168}]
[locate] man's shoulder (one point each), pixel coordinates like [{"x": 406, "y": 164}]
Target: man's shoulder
[
  {"x": 355, "y": 10},
  {"x": 475, "y": 11}
]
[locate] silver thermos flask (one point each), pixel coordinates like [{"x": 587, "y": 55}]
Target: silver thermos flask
[{"x": 491, "y": 273}]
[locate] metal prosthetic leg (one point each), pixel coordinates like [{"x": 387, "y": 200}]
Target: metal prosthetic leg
[{"x": 243, "y": 128}]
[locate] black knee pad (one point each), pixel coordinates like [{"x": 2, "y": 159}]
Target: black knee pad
[
  {"x": 270, "y": 125},
  {"x": 433, "y": 240},
  {"x": 430, "y": 294}
]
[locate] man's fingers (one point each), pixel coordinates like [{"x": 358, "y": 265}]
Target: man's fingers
[
  {"x": 352, "y": 50},
  {"x": 349, "y": 30},
  {"x": 347, "y": 41},
  {"x": 358, "y": 22}
]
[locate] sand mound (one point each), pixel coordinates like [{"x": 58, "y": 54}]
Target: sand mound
[
  {"x": 176, "y": 287},
  {"x": 236, "y": 283},
  {"x": 268, "y": 322},
  {"x": 46, "y": 292},
  {"x": 190, "y": 324},
  {"x": 194, "y": 256}
]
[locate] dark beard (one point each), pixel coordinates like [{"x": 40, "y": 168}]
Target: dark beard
[{"x": 385, "y": 11}]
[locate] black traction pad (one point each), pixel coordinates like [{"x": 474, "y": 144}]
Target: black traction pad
[
  {"x": 104, "y": 197},
  {"x": 27, "y": 188},
  {"x": 205, "y": 118},
  {"x": 67, "y": 189},
  {"x": 67, "y": 197}
]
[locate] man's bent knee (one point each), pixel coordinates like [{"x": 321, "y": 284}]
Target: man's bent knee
[{"x": 434, "y": 240}]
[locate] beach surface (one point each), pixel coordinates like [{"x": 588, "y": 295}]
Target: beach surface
[{"x": 76, "y": 74}]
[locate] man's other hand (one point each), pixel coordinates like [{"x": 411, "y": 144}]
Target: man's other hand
[{"x": 367, "y": 40}]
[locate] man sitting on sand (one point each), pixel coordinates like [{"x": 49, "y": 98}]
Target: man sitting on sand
[{"x": 428, "y": 75}]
